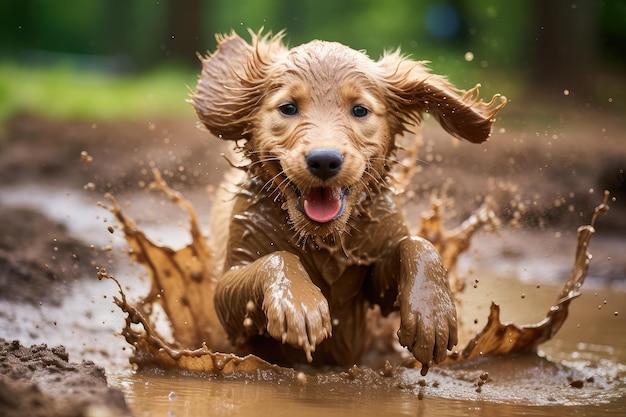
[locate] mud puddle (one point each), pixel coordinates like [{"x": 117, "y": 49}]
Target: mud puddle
[
  {"x": 529, "y": 390},
  {"x": 582, "y": 371}
]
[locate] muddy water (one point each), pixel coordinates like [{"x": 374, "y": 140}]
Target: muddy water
[{"x": 582, "y": 371}]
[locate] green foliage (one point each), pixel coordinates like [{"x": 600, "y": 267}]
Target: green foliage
[
  {"x": 67, "y": 92},
  {"x": 362, "y": 24},
  {"x": 138, "y": 37},
  {"x": 138, "y": 29}
]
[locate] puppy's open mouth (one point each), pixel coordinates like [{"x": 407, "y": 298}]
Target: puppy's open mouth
[{"x": 322, "y": 204}]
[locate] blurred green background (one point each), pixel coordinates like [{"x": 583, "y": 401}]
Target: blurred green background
[{"x": 115, "y": 58}]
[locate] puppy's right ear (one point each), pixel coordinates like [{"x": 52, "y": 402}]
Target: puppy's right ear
[{"x": 231, "y": 82}]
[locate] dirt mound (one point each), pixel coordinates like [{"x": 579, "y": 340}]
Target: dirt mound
[{"x": 40, "y": 381}]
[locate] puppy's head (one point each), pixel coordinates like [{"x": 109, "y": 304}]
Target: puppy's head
[{"x": 318, "y": 121}]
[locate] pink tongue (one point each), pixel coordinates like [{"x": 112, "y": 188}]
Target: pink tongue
[{"x": 322, "y": 204}]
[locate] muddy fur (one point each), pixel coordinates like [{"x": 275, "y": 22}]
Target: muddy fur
[{"x": 312, "y": 233}]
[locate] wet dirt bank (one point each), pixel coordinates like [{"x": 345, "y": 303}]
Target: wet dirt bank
[
  {"x": 41, "y": 381},
  {"x": 55, "y": 235}
]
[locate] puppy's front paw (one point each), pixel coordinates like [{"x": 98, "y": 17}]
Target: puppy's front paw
[
  {"x": 428, "y": 325},
  {"x": 297, "y": 313}
]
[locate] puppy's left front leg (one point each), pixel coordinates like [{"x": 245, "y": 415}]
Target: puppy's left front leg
[{"x": 428, "y": 326}]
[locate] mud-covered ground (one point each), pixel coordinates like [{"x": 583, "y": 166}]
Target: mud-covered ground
[
  {"x": 545, "y": 169},
  {"x": 40, "y": 381}
]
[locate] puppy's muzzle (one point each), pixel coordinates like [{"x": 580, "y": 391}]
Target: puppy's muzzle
[{"x": 326, "y": 203}]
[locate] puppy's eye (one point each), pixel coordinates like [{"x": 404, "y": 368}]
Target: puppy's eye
[
  {"x": 360, "y": 111},
  {"x": 288, "y": 109}
]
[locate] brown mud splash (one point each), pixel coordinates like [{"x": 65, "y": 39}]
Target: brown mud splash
[
  {"x": 182, "y": 283},
  {"x": 503, "y": 339},
  {"x": 180, "y": 279}
]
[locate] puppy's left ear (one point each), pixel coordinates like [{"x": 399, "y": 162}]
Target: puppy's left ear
[{"x": 413, "y": 90}]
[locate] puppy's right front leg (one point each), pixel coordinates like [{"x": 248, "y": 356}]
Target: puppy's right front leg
[{"x": 273, "y": 294}]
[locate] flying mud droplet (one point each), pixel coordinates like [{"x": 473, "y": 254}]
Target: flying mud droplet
[
  {"x": 577, "y": 383},
  {"x": 85, "y": 157},
  {"x": 301, "y": 378}
]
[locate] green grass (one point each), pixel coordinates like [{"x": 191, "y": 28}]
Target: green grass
[{"x": 65, "y": 92}]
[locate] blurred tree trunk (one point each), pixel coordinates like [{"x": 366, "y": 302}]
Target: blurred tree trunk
[
  {"x": 116, "y": 21},
  {"x": 183, "y": 31},
  {"x": 565, "y": 55}
]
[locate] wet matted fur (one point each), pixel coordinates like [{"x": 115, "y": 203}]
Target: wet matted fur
[{"x": 314, "y": 235}]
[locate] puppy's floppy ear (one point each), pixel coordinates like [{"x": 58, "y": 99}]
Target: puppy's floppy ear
[
  {"x": 413, "y": 90},
  {"x": 231, "y": 82}
]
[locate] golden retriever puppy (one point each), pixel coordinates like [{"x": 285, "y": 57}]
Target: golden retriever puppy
[{"x": 314, "y": 236}]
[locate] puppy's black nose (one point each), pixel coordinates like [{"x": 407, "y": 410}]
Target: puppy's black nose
[{"x": 324, "y": 163}]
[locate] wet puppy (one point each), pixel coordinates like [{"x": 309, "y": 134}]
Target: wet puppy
[{"x": 314, "y": 237}]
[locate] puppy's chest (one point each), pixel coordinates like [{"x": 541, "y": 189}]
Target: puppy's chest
[
  {"x": 333, "y": 257},
  {"x": 339, "y": 269}
]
